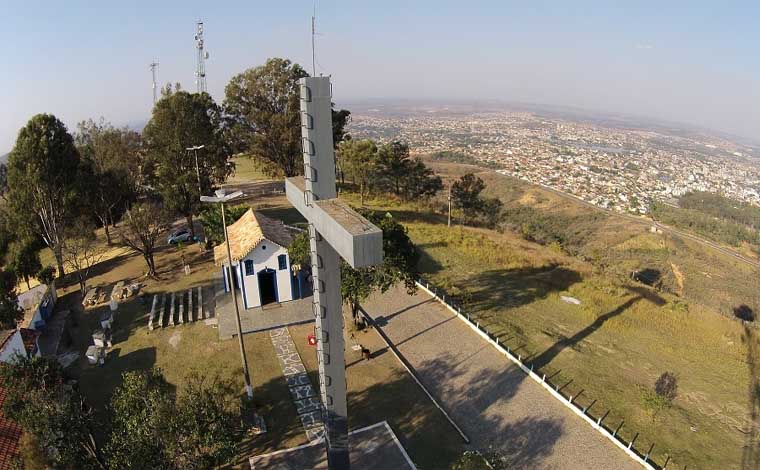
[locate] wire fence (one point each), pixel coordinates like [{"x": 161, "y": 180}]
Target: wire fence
[{"x": 557, "y": 389}]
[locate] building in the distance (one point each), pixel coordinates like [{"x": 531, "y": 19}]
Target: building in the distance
[{"x": 261, "y": 268}]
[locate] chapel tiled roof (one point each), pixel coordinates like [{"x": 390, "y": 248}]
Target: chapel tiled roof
[{"x": 248, "y": 232}]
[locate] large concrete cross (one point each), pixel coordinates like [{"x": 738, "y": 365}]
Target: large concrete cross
[{"x": 335, "y": 231}]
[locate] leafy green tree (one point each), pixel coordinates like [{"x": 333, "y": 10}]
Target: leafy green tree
[
  {"x": 44, "y": 405},
  {"x": 299, "y": 250},
  {"x": 43, "y": 179},
  {"x": 182, "y": 120},
  {"x": 400, "y": 258},
  {"x": 46, "y": 275},
  {"x": 152, "y": 428},
  {"x": 141, "y": 230},
  {"x": 466, "y": 196},
  {"x": 206, "y": 426},
  {"x": 359, "y": 159},
  {"x": 113, "y": 158},
  {"x": 140, "y": 413},
  {"x": 211, "y": 218},
  {"x": 403, "y": 175},
  {"x": 24, "y": 259},
  {"x": 262, "y": 104},
  {"x": 10, "y": 311}
]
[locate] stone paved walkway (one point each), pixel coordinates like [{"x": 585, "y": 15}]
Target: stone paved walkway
[
  {"x": 305, "y": 397},
  {"x": 489, "y": 397}
]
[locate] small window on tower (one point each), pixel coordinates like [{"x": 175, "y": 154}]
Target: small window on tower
[
  {"x": 248, "y": 267},
  {"x": 282, "y": 261}
]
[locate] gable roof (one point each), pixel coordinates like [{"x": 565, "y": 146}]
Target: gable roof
[{"x": 249, "y": 231}]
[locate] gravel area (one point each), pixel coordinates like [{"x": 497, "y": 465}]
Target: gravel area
[{"x": 494, "y": 402}]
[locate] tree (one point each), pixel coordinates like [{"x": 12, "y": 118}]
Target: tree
[
  {"x": 404, "y": 176},
  {"x": 140, "y": 410},
  {"x": 152, "y": 428},
  {"x": 43, "y": 178},
  {"x": 46, "y": 275},
  {"x": 211, "y": 218},
  {"x": 24, "y": 259},
  {"x": 113, "y": 159},
  {"x": 10, "y": 311},
  {"x": 400, "y": 258},
  {"x": 466, "y": 196},
  {"x": 359, "y": 158},
  {"x": 299, "y": 250},
  {"x": 206, "y": 426},
  {"x": 45, "y": 406},
  {"x": 263, "y": 108},
  {"x": 182, "y": 120},
  {"x": 80, "y": 252},
  {"x": 143, "y": 225}
]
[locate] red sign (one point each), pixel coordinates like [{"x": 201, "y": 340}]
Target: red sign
[{"x": 312, "y": 339}]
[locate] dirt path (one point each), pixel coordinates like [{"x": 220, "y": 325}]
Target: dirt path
[{"x": 491, "y": 399}]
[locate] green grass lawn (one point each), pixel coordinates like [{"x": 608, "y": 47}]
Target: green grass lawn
[
  {"x": 615, "y": 344},
  {"x": 375, "y": 387}
]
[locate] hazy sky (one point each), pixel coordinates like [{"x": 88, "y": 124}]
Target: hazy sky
[{"x": 696, "y": 62}]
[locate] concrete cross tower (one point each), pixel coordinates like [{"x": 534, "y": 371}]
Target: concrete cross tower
[{"x": 336, "y": 231}]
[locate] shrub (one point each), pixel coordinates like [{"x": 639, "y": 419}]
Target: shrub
[{"x": 744, "y": 312}]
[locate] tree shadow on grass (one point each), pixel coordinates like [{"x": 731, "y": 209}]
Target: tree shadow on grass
[{"x": 511, "y": 288}]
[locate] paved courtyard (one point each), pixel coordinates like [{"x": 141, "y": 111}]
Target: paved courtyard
[
  {"x": 256, "y": 319},
  {"x": 497, "y": 406},
  {"x": 372, "y": 448}
]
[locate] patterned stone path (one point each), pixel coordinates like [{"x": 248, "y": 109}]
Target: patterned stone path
[{"x": 305, "y": 397}]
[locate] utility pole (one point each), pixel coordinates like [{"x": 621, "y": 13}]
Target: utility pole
[
  {"x": 221, "y": 197},
  {"x": 449, "y": 198},
  {"x": 153, "y": 66},
  {"x": 195, "y": 149},
  {"x": 200, "y": 68}
]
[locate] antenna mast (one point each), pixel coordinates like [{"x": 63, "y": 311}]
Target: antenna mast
[
  {"x": 200, "y": 70},
  {"x": 153, "y": 66},
  {"x": 313, "y": 35}
]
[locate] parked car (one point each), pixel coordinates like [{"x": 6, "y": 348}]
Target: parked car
[{"x": 182, "y": 235}]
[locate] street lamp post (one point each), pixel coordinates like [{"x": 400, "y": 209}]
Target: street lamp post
[
  {"x": 195, "y": 149},
  {"x": 221, "y": 197}
]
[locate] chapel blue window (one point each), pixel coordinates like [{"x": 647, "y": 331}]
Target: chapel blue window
[
  {"x": 282, "y": 262},
  {"x": 248, "y": 267}
]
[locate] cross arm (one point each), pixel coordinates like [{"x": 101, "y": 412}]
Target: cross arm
[{"x": 355, "y": 238}]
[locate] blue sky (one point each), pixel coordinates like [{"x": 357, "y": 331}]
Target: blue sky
[{"x": 694, "y": 62}]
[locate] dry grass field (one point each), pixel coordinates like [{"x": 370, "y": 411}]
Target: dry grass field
[{"x": 624, "y": 334}]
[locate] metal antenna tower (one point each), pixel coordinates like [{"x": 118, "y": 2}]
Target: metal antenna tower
[
  {"x": 313, "y": 41},
  {"x": 200, "y": 69},
  {"x": 153, "y": 66}
]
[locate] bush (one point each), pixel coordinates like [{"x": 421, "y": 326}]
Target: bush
[
  {"x": 744, "y": 312},
  {"x": 474, "y": 460},
  {"x": 667, "y": 386}
]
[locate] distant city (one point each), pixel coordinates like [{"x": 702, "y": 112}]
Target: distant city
[{"x": 611, "y": 164}]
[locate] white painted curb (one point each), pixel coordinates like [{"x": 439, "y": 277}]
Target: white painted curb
[{"x": 602, "y": 430}]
